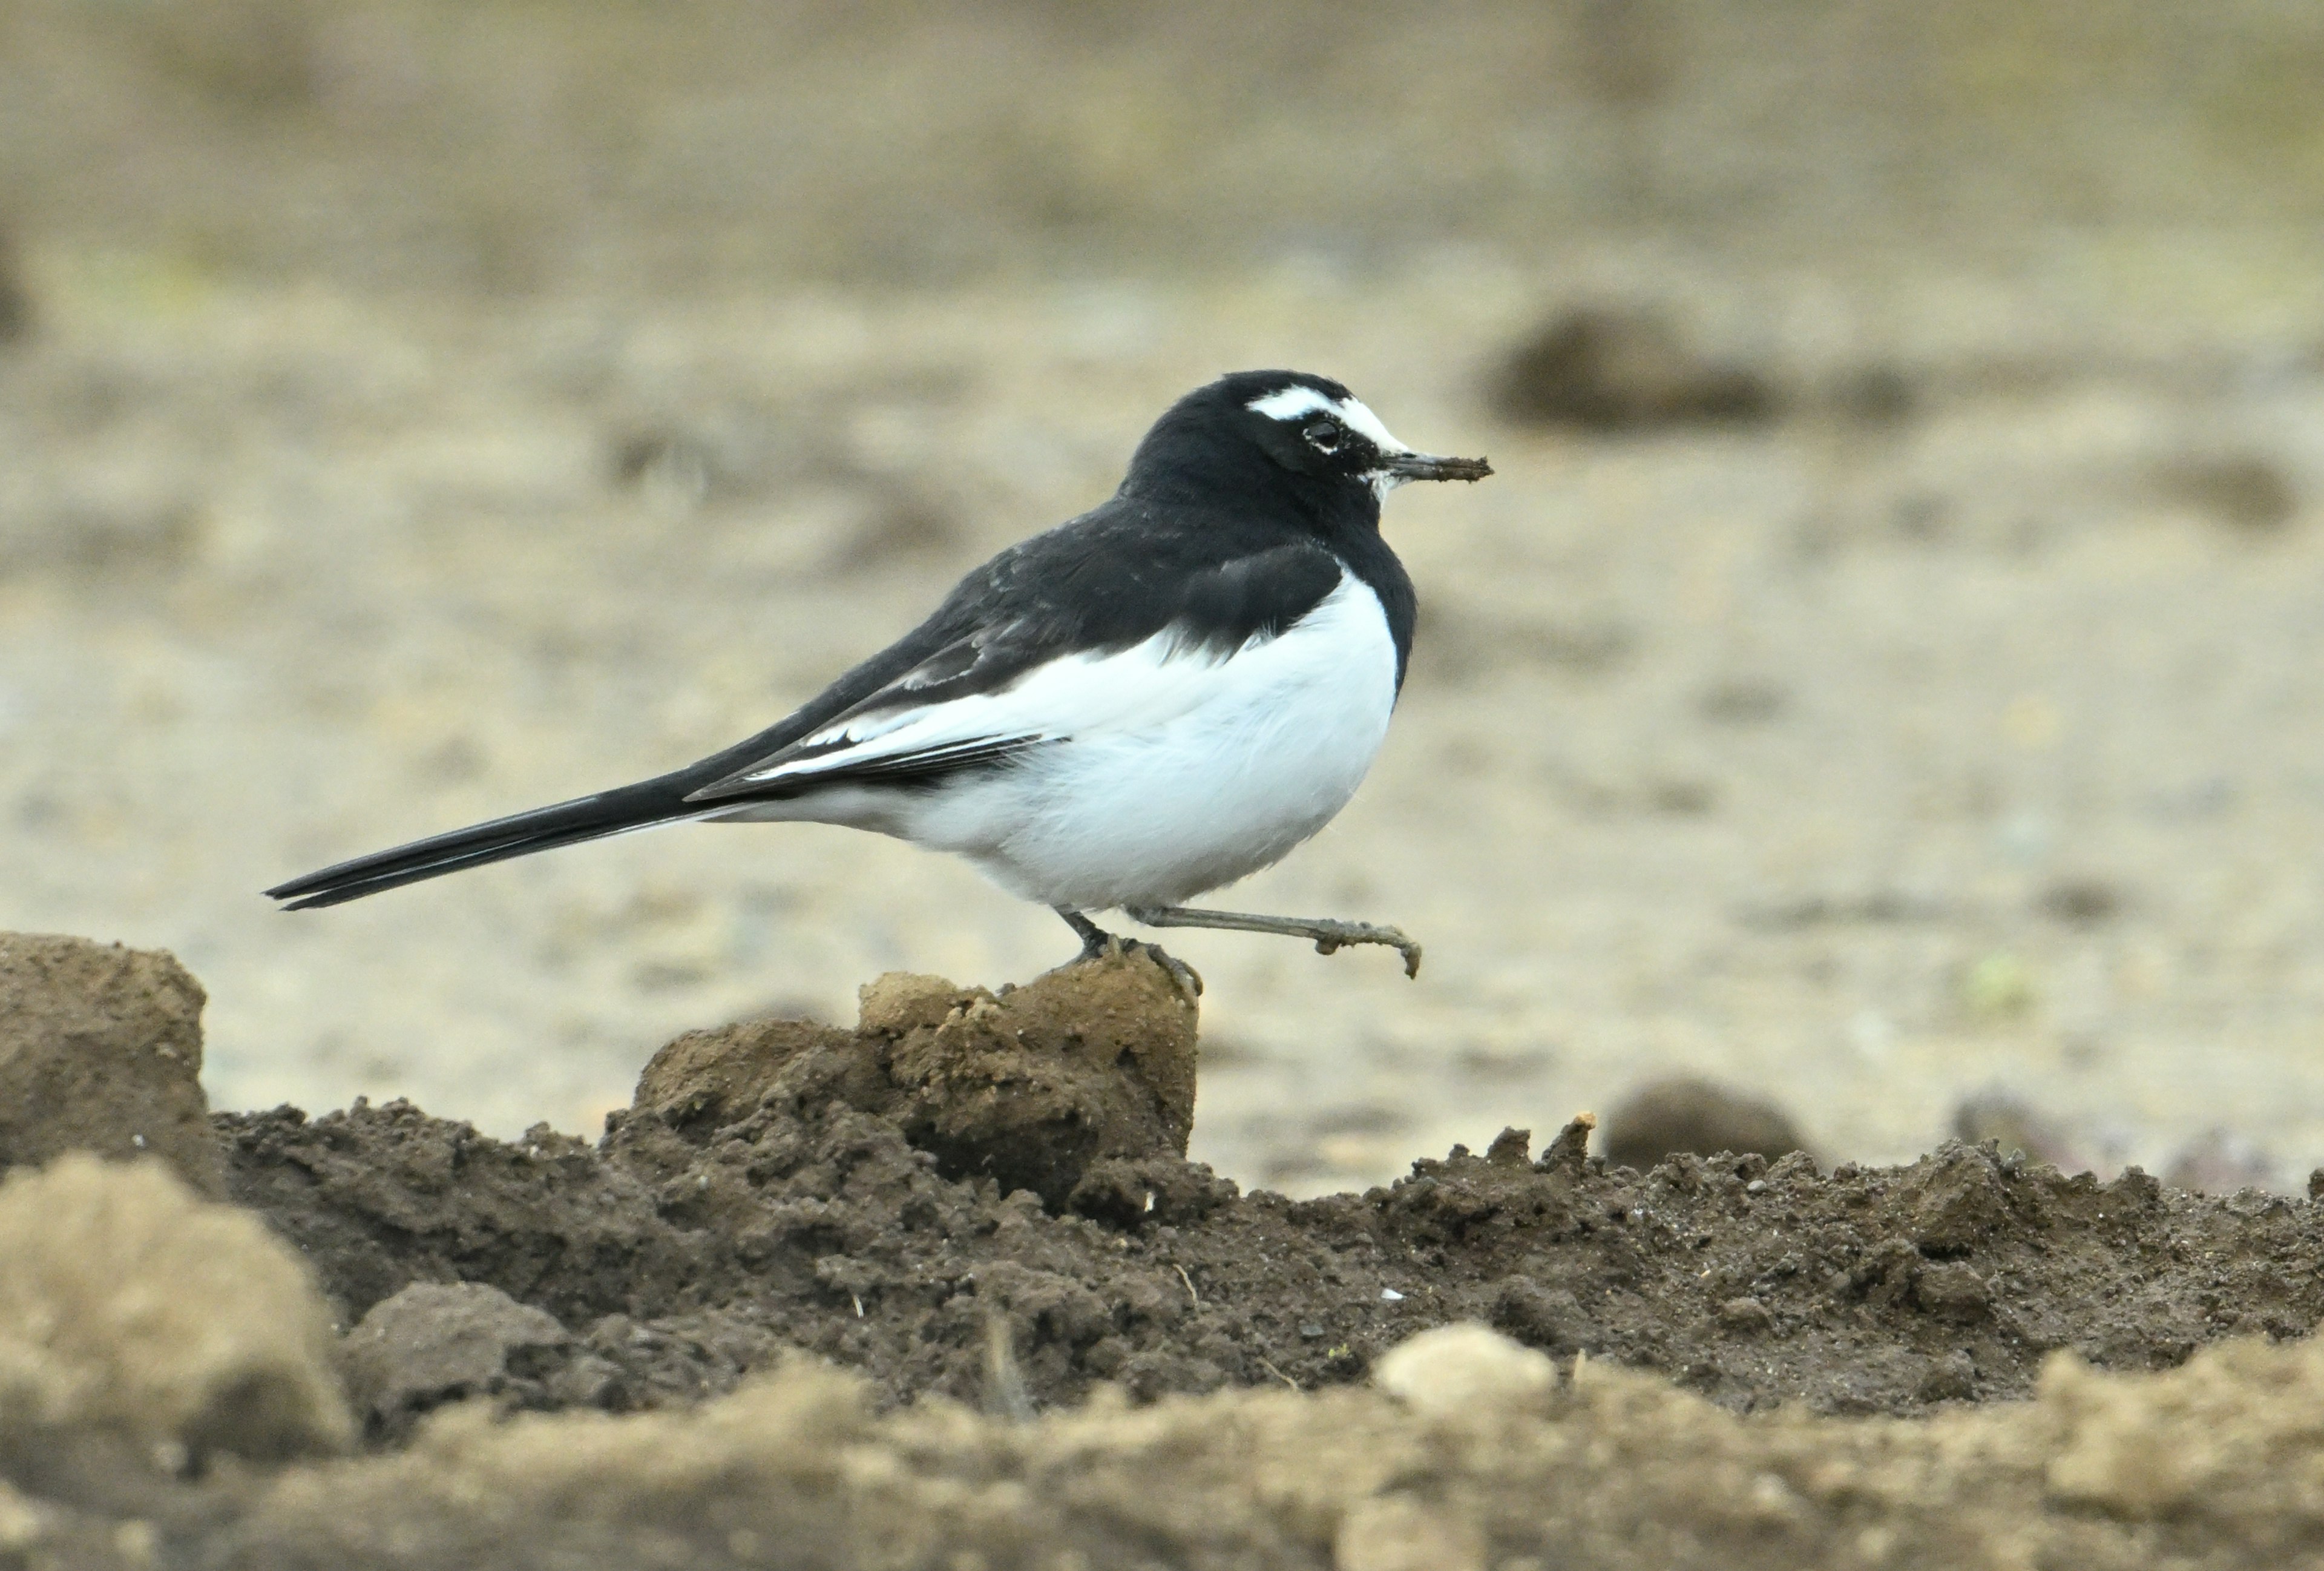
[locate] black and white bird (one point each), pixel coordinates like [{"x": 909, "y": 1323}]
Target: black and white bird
[{"x": 1157, "y": 698}]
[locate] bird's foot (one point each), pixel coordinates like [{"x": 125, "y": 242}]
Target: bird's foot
[
  {"x": 1097, "y": 943},
  {"x": 1185, "y": 977},
  {"x": 1331, "y": 936}
]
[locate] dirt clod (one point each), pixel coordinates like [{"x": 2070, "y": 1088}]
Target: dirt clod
[
  {"x": 101, "y": 1051},
  {"x": 440, "y": 1342},
  {"x": 130, "y": 1306},
  {"x": 1034, "y": 1087},
  {"x": 1685, "y": 1115},
  {"x": 1463, "y": 1367},
  {"x": 1605, "y": 369},
  {"x": 2242, "y": 490}
]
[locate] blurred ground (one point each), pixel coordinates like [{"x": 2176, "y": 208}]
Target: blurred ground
[{"x": 423, "y": 413}]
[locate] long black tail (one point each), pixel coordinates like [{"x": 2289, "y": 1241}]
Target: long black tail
[{"x": 614, "y": 812}]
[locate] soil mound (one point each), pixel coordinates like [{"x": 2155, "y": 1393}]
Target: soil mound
[
  {"x": 883, "y": 1196},
  {"x": 977, "y": 1199},
  {"x": 1032, "y": 1089}
]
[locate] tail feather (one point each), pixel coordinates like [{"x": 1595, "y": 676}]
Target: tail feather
[{"x": 644, "y": 805}]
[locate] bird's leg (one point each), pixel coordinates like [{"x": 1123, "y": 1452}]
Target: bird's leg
[
  {"x": 1094, "y": 938},
  {"x": 1328, "y": 934},
  {"x": 1096, "y": 942}
]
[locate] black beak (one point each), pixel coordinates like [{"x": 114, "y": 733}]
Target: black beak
[{"x": 1429, "y": 467}]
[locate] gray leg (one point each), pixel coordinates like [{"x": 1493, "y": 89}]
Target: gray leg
[
  {"x": 1329, "y": 935},
  {"x": 1096, "y": 941},
  {"x": 1093, "y": 938}
]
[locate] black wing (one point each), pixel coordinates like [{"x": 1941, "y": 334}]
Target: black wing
[{"x": 1024, "y": 610}]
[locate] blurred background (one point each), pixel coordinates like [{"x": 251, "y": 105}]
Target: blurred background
[{"x": 1883, "y": 677}]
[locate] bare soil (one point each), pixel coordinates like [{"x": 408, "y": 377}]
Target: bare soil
[
  {"x": 764, "y": 1199},
  {"x": 796, "y": 1269}
]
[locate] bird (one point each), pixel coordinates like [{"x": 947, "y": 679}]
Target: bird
[{"x": 1136, "y": 708}]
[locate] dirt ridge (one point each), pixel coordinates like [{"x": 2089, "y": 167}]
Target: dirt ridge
[{"x": 709, "y": 1230}]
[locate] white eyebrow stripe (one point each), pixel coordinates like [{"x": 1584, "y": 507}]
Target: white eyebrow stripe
[
  {"x": 1291, "y": 403},
  {"x": 1297, "y": 402}
]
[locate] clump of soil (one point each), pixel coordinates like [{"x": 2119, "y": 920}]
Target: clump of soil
[
  {"x": 101, "y": 1051},
  {"x": 1599, "y": 368},
  {"x": 1684, "y": 1115},
  {"x": 1033, "y": 1089},
  {"x": 131, "y": 1311}
]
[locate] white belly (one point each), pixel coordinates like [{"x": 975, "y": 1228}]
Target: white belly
[{"x": 1236, "y": 761}]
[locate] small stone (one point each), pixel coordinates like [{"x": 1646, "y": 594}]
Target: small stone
[
  {"x": 1462, "y": 1367},
  {"x": 2081, "y": 902},
  {"x": 1602, "y": 368},
  {"x": 1952, "y": 1290},
  {"x": 1747, "y": 1315},
  {"x": 15, "y": 300},
  {"x": 439, "y": 1342},
  {"x": 2248, "y": 491}
]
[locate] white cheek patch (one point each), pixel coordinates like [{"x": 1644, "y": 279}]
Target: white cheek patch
[{"x": 1297, "y": 402}]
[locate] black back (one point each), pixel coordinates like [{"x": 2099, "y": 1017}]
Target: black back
[{"x": 1226, "y": 527}]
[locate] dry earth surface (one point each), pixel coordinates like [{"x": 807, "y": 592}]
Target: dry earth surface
[{"x": 941, "y": 1289}]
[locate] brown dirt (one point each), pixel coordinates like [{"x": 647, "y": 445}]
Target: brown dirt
[
  {"x": 562, "y": 1354},
  {"x": 101, "y": 1051},
  {"x": 783, "y": 1184},
  {"x": 1688, "y": 1114}
]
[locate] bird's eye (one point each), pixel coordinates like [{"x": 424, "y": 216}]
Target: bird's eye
[{"x": 1326, "y": 435}]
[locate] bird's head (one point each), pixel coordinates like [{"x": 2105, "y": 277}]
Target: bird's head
[{"x": 1288, "y": 428}]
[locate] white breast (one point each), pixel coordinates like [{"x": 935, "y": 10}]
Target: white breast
[{"x": 1190, "y": 773}]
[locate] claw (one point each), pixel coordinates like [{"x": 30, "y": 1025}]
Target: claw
[{"x": 1187, "y": 979}]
